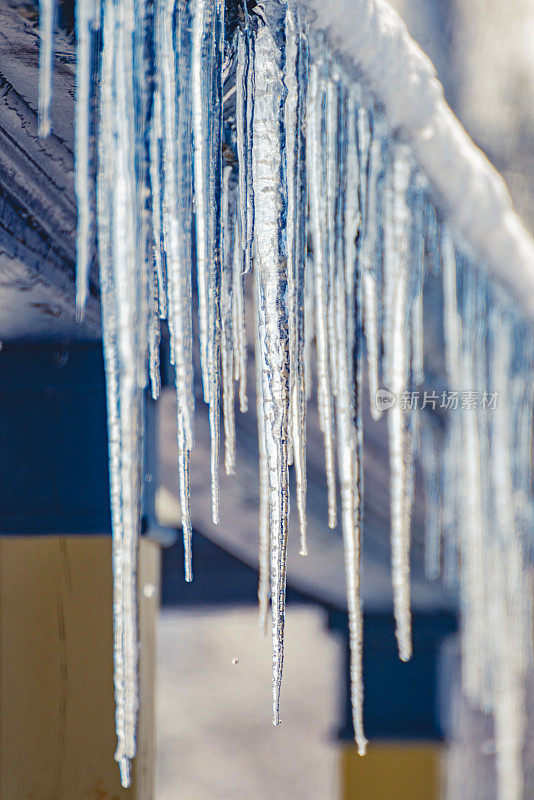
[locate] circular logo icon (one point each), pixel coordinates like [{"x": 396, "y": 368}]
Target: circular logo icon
[{"x": 384, "y": 399}]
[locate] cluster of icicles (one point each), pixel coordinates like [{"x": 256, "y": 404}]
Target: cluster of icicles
[{"x": 241, "y": 144}]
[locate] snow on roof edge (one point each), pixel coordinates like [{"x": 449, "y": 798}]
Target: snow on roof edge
[{"x": 471, "y": 193}]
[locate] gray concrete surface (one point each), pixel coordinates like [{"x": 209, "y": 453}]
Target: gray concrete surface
[{"x": 215, "y": 739}]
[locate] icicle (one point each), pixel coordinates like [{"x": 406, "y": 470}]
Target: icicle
[
  {"x": 371, "y": 156},
  {"x": 316, "y": 182},
  {"x": 124, "y": 309},
  {"x": 349, "y": 228},
  {"x": 47, "y": 20},
  {"x": 299, "y": 392},
  {"x": 200, "y": 75},
  {"x": 156, "y": 135},
  {"x": 396, "y": 354},
  {"x": 227, "y": 350},
  {"x": 264, "y": 582},
  {"x": 296, "y": 68},
  {"x": 508, "y": 574},
  {"x": 471, "y": 528},
  {"x": 348, "y": 439},
  {"x": 418, "y": 265},
  {"x": 177, "y": 237},
  {"x": 85, "y": 22},
  {"x": 432, "y": 485},
  {"x": 243, "y": 137},
  {"x": 154, "y": 338},
  {"x": 449, "y": 506},
  {"x": 450, "y": 310},
  {"x": 208, "y": 45},
  {"x": 251, "y": 88},
  {"x": 331, "y": 157},
  {"x": 452, "y": 333},
  {"x": 238, "y": 321},
  {"x": 270, "y": 264},
  {"x": 214, "y": 247},
  {"x": 111, "y": 357}
]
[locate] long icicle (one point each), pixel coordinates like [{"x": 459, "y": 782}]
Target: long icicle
[
  {"x": 214, "y": 244},
  {"x": 296, "y": 68},
  {"x": 156, "y": 137},
  {"x": 177, "y": 239},
  {"x": 238, "y": 321},
  {"x": 227, "y": 326},
  {"x": 119, "y": 214},
  {"x": 242, "y": 136},
  {"x": 371, "y": 155},
  {"x": 347, "y": 410},
  {"x": 396, "y": 352},
  {"x": 85, "y": 23},
  {"x": 507, "y": 577},
  {"x": 113, "y": 378},
  {"x": 200, "y": 77},
  {"x": 264, "y": 579},
  {"x": 471, "y": 523},
  {"x": 315, "y": 168},
  {"x": 47, "y": 20},
  {"x": 270, "y": 264}
]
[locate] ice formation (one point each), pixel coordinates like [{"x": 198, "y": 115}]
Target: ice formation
[{"x": 233, "y": 138}]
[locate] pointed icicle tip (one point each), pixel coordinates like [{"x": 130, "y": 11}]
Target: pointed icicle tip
[
  {"x": 125, "y": 771},
  {"x": 362, "y": 746}
]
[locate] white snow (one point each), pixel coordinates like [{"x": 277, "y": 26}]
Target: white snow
[{"x": 467, "y": 188}]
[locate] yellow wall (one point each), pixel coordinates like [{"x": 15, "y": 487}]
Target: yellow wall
[
  {"x": 57, "y": 728},
  {"x": 391, "y": 771}
]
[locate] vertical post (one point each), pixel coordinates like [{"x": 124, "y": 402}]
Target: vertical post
[
  {"x": 401, "y": 711},
  {"x": 57, "y": 729}
]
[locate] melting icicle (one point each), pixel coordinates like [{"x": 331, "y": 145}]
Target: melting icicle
[
  {"x": 450, "y": 310},
  {"x": 156, "y": 135},
  {"x": 471, "y": 528},
  {"x": 123, "y": 309},
  {"x": 418, "y": 262},
  {"x": 238, "y": 321},
  {"x": 451, "y": 325},
  {"x": 432, "y": 484},
  {"x": 227, "y": 349},
  {"x": 332, "y": 159},
  {"x": 177, "y": 239},
  {"x": 309, "y": 325},
  {"x": 251, "y": 89},
  {"x": 316, "y": 183},
  {"x": 396, "y": 354},
  {"x": 86, "y": 21},
  {"x": 348, "y": 437},
  {"x": 264, "y": 582},
  {"x": 154, "y": 337},
  {"x": 371, "y": 164},
  {"x": 207, "y": 76},
  {"x": 244, "y": 106},
  {"x": 508, "y": 575},
  {"x": 200, "y": 72},
  {"x": 296, "y": 203},
  {"x": 270, "y": 264},
  {"x": 47, "y": 19},
  {"x": 214, "y": 246}
]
